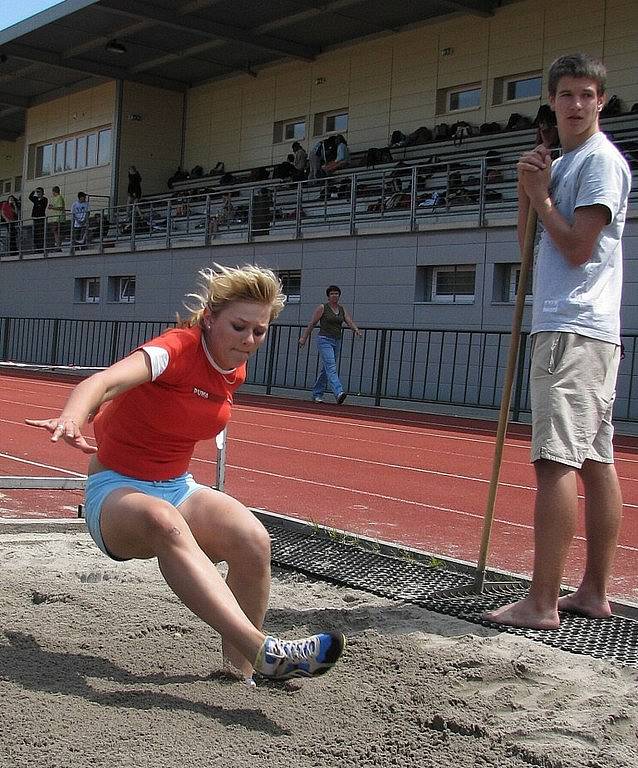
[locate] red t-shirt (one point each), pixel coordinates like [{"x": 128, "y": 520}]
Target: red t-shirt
[
  {"x": 150, "y": 431},
  {"x": 7, "y": 212}
]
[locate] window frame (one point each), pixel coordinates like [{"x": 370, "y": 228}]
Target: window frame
[
  {"x": 121, "y": 283},
  {"x": 286, "y": 276},
  {"x": 279, "y": 130},
  {"x": 508, "y": 81},
  {"x": 52, "y": 157},
  {"x": 321, "y": 122},
  {"x": 453, "y": 298},
  {"x": 84, "y": 293},
  {"x": 463, "y": 89},
  {"x": 513, "y": 274}
]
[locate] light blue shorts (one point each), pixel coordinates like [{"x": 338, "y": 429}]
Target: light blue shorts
[{"x": 99, "y": 485}]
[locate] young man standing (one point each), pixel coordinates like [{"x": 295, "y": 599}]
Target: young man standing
[
  {"x": 80, "y": 215},
  {"x": 58, "y": 208},
  {"x": 581, "y": 202}
]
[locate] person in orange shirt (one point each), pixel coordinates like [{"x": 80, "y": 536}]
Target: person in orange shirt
[{"x": 141, "y": 501}]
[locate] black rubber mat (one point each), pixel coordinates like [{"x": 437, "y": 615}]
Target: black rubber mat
[{"x": 420, "y": 582}]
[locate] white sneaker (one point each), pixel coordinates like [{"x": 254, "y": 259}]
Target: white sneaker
[
  {"x": 308, "y": 657},
  {"x": 317, "y": 399}
]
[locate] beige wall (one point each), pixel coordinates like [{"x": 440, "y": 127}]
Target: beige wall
[
  {"x": 11, "y": 153},
  {"x": 150, "y": 139},
  {"x": 391, "y": 82},
  {"x": 75, "y": 113}
]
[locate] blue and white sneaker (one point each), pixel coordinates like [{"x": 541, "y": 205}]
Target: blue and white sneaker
[{"x": 308, "y": 657}]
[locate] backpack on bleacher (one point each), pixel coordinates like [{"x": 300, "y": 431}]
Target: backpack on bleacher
[
  {"x": 518, "y": 122},
  {"x": 613, "y": 107},
  {"x": 441, "y": 132},
  {"x": 488, "y": 128},
  {"x": 422, "y": 135},
  {"x": 197, "y": 172},
  {"x": 398, "y": 139},
  {"x": 461, "y": 131},
  {"x": 226, "y": 178}
]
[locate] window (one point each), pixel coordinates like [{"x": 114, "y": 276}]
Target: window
[
  {"x": 87, "y": 290},
  {"x": 5, "y": 186},
  {"x": 506, "y": 277},
  {"x": 335, "y": 121},
  {"x": 293, "y": 129},
  {"x": 527, "y": 85},
  {"x": 44, "y": 160},
  {"x": 122, "y": 289},
  {"x": 70, "y": 154},
  {"x": 465, "y": 99},
  {"x": 291, "y": 282},
  {"x": 104, "y": 147},
  {"x": 59, "y": 157},
  {"x": 525, "y": 88},
  {"x": 453, "y": 284}
]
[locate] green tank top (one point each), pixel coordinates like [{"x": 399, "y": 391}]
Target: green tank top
[{"x": 330, "y": 323}]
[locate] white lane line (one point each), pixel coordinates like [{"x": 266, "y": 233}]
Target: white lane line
[
  {"x": 421, "y": 504},
  {"x": 43, "y": 466}
]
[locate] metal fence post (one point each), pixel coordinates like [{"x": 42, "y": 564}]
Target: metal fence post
[
  {"x": 353, "y": 204},
  {"x": 299, "y": 209},
  {"x": 520, "y": 375},
  {"x": 413, "y": 197},
  {"x": 54, "y": 342},
  {"x": 378, "y": 388},
  {"x": 274, "y": 340}
]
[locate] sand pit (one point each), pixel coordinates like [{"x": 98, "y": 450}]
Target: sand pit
[{"x": 101, "y": 666}]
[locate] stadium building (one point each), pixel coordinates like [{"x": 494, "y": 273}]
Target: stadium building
[{"x": 205, "y": 98}]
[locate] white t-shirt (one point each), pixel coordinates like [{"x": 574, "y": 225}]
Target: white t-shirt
[{"x": 584, "y": 299}]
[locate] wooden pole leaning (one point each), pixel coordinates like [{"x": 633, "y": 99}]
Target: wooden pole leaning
[
  {"x": 477, "y": 587},
  {"x": 526, "y": 263}
]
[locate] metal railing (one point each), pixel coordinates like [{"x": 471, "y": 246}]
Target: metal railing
[{"x": 445, "y": 367}]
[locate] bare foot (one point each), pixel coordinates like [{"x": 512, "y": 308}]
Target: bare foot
[
  {"x": 585, "y": 605},
  {"x": 524, "y": 614}
]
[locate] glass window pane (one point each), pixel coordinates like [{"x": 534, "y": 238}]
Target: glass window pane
[
  {"x": 81, "y": 153},
  {"x": 337, "y": 123},
  {"x": 44, "y": 160},
  {"x": 526, "y": 88},
  {"x": 91, "y": 150},
  {"x": 69, "y": 160},
  {"x": 59, "y": 157},
  {"x": 295, "y": 131},
  {"x": 104, "y": 147},
  {"x": 465, "y": 99}
]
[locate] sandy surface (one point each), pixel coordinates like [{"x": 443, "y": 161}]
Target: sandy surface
[{"x": 100, "y": 665}]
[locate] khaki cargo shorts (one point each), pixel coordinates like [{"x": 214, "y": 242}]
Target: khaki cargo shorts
[{"x": 572, "y": 389}]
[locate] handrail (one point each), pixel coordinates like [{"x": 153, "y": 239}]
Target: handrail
[
  {"x": 423, "y": 365},
  {"x": 475, "y": 190}
]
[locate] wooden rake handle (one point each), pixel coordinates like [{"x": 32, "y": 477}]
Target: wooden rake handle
[{"x": 526, "y": 261}]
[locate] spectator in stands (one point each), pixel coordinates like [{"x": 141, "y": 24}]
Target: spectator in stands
[
  {"x": 9, "y": 215},
  {"x": 546, "y": 128},
  {"x": 134, "y": 189},
  {"x": 133, "y": 192},
  {"x": 57, "y": 207},
  {"x": 300, "y": 161},
  {"x": 342, "y": 160},
  {"x": 151, "y": 409},
  {"x": 262, "y": 212},
  {"x": 581, "y": 201},
  {"x": 331, "y": 316},
  {"x": 224, "y": 215},
  {"x": 80, "y": 211},
  {"x": 38, "y": 214},
  {"x": 317, "y": 159}
]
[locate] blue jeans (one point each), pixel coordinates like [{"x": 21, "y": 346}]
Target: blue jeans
[{"x": 328, "y": 349}]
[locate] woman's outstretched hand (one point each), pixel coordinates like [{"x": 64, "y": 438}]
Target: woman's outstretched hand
[{"x": 66, "y": 429}]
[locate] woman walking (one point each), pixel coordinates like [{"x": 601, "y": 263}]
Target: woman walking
[{"x": 331, "y": 316}]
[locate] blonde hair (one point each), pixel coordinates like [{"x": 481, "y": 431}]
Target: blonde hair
[{"x": 221, "y": 286}]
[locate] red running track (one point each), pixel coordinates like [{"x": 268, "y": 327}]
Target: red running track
[{"x": 417, "y": 479}]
